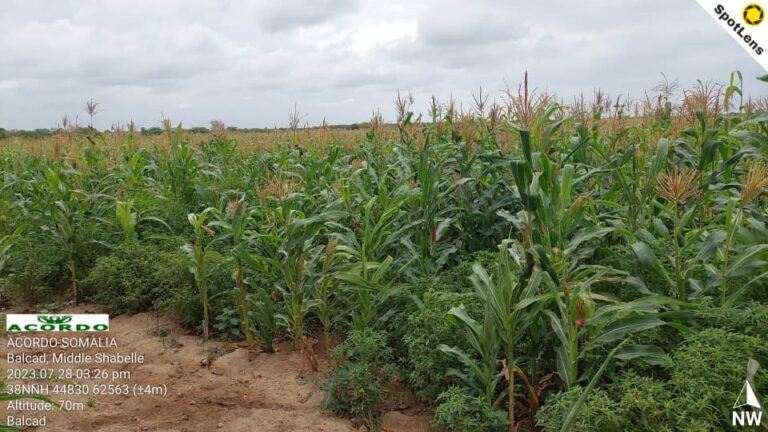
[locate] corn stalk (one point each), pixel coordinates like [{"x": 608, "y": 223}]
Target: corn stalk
[{"x": 197, "y": 252}]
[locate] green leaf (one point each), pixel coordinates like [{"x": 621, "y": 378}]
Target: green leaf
[
  {"x": 648, "y": 259},
  {"x": 711, "y": 244},
  {"x": 566, "y": 186},
  {"x": 658, "y": 164},
  {"x": 557, "y": 327},
  {"x": 746, "y": 258},
  {"x": 462, "y": 357},
  {"x": 586, "y": 235},
  {"x": 760, "y": 118},
  {"x": 659, "y": 227},
  {"x": 650, "y": 354},
  {"x": 620, "y": 328},
  {"x": 571, "y": 417}
]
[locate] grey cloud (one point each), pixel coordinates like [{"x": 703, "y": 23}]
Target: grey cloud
[
  {"x": 456, "y": 26},
  {"x": 277, "y": 16},
  {"x": 247, "y": 62}
]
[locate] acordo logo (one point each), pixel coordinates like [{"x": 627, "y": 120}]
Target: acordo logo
[{"x": 15, "y": 323}]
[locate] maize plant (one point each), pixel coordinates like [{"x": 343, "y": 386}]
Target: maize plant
[
  {"x": 197, "y": 250},
  {"x": 295, "y": 260},
  {"x": 128, "y": 220},
  {"x": 325, "y": 291},
  {"x": 754, "y": 243},
  {"x": 233, "y": 221},
  {"x": 368, "y": 271},
  {"x": 180, "y": 168},
  {"x": 484, "y": 374},
  {"x": 135, "y": 164},
  {"x": 263, "y": 310},
  {"x": 64, "y": 220},
  {"x": 508, "y": 302}
]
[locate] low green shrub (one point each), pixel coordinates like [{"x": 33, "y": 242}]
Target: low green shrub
[
  {"x": 96, "y": 236},
  {"x": 599, "y": 413},
  {"x": 457, "y": 278},
  {"x": 227, "y": 323},
  {"x": 706, "y": 375},
  {"x": 458, "y": 411},
  {"x": 749, "y": 319},
  {"x": 33, "y": 268},
  {"x": 364, "y": 369},
  {"x": 644, "y": 404},
  {"x": 709, "y": 371},
  {"x": 396, "y": 307},
  {"x": 136, "y": 277},
  {"x": 425, "y": 366}
]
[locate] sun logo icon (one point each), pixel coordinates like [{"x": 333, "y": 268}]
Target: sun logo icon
[{"x": 753, "y": 14}]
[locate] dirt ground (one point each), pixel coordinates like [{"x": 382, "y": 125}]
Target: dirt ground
[{"x": 211, "y": 387}]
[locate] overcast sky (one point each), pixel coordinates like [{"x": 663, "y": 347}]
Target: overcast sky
[{"x": 248, "y": 62}]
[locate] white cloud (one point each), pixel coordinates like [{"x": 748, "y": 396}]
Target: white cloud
[
  {"x": 247, "y": 62},
  {"x": 8, "y": 84}
]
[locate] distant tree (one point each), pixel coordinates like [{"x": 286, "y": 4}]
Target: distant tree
[
  {"x": 219, "y": 129},
  {"x": 151, "y": 131},
  {"x": 217, "y": 125},
  {"x": 294, "y": 118}
]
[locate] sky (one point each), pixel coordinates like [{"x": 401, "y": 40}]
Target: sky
[{"x": 248, "y": 63}]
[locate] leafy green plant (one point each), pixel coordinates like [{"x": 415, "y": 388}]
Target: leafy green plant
[
  {"x": 746, "y": 259},
  {"x": 180, "y": 168},
  {"x": 598, "y": 413},
  {"x": 64, "y": 220},
  {"x": 434, "y": 192},
  {"x": 263, "y": 311},
  {"x": 368, "y": 271},
  {"x": 128, "y": 220},
  {"x": 364, "y": 369},
  {"x": 582, "y": 327},
  {"x": 749, "y": 319},
  {"x": 425, "y": 329},
  {"x": 507, "y": 300},
  {"x": 233, "y": 221},
  {"x": 134, "y": 164},
  {"x": 325, "y": 292},
  {"x": 136, "y": 277},
  {"x": 482, "y": 371},
  {"x": 34, "y": 267},
  {"x": 679, "y": 189},
  {"x": 709, "y": 371},
  {"x": 227, "y": 323},
  {"x": 578, "y": 405},
  {"x": 646, "y": 403},
  {"x": 458, "y": 411},
  {"x": 197, "y": 250},
  {"x": 295, "y": 233},
  {"x": 705, "y": 376}
]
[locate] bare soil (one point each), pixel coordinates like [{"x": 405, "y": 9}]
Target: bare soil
[{"x": 212, "y": 386}]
